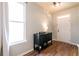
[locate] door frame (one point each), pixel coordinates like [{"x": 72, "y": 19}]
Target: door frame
[{"x": 62, "y": 16}]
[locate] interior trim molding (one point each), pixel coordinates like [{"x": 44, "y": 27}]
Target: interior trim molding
[
  {"x": 67, "y": 42},
  {"x": 70, "y": 43},
  {"x": 22, "y": 54}
]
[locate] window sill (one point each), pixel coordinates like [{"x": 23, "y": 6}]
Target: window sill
[{"x": 18, "y": 42}]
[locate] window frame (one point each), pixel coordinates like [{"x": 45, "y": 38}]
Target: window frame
[{"x": 24, "y": 22}]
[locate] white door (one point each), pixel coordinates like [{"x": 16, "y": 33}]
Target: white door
[{"x": 64, "y": 27}]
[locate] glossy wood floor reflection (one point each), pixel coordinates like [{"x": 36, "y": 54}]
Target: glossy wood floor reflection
[{"x": 57, "y": 49}]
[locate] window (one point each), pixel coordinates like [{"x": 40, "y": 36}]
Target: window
[{"x": 16, "y": 22}]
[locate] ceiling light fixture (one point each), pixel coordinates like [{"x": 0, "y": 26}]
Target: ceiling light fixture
[{"x": 56, "y": 4}]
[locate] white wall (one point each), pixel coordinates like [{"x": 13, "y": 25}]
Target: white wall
[
  {"x": 0, "y": 28},
  {"x": 35, "y": 18},
  {"x": 75, "y": 26},
  {"x": 74, "y": 17}
]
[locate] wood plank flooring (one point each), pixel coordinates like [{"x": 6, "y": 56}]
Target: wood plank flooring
[{"x": 57, "y": 49}]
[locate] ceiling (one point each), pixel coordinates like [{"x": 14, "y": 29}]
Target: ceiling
[{"x": 48, "y": 6}]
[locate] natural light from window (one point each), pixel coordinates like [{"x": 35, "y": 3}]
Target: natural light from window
[{"x": 16, "y": 23}]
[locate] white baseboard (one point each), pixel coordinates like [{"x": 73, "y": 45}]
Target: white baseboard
[
  {"x": 27, "y": 51},
  {"x": 66, "y": 42},
  {"x": 22, "y": 54},
  {"x": 70, "y": 43},
  {"x": 53, "y": 39}
]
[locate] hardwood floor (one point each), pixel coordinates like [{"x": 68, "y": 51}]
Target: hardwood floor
[{"x": 57, "y": 49}]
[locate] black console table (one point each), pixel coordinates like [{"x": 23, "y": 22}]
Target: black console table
[{"x": 41, "y": 40}]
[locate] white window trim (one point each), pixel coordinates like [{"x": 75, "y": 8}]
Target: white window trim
[
  {"x": 17, "y": 42},
  {"x": 24, "y": 40}
]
